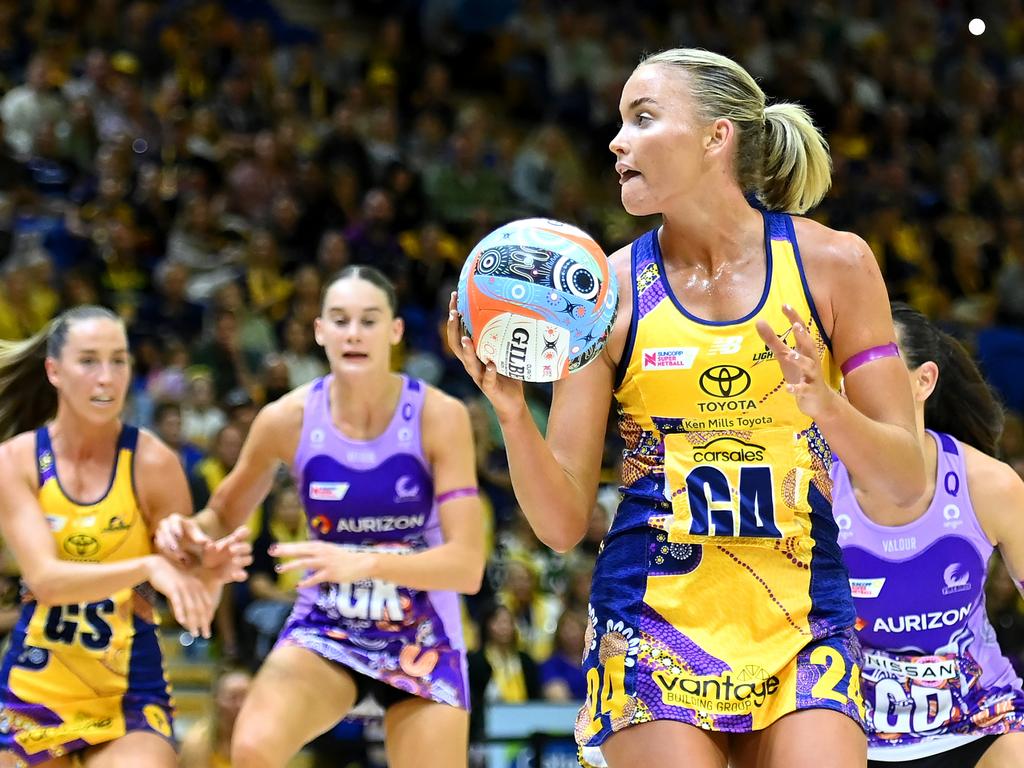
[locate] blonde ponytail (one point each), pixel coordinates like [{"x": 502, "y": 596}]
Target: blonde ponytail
[{"x": 797, "y": 165}]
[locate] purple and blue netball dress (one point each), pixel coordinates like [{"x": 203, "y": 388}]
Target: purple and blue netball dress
[
  {"x": 376, "y": 494},
  {"x": 934, "y": 677}
]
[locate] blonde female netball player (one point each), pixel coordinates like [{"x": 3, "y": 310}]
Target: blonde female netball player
[
  {"x": 721, "y": 622},
  {"x": 83, "y": 676}
]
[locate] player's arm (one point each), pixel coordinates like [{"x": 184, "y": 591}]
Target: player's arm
[
  {"x": 163, "y": 491},
  {"x": 997, "y": 494},
  {"x": 873, "y": 430},
  {"x": 24, "y": 526},
  {"x": 556, "y": 478},
  {"x": 458, "y": 564},
  {"x": 272, "y": 439}
]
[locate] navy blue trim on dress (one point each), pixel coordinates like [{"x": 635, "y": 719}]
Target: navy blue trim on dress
[
  {"x": 627, "y": 351},
  {"x": 791, "y": 232},
  {"x": 766, "y": 216},
  {"x": 126, "y": 439}
]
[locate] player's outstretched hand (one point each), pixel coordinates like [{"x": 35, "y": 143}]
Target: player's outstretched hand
[
  {"x": 323, "y": 562},
  {"x": 800, "y": 366},
  {"x": 191, "y": 600},
  {"x": 226, "y": 559},
  {"x": 181, "y": 539}
]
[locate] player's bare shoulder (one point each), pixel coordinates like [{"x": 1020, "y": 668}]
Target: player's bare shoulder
[
  {"x": 824, "y": 248},
  {"x": 286, "y": 412},
  {"x": 440, "y": 411},
  {"x": 444, "y": 423},
  {"x": 278, "y": 426},
  {"x": 18, "y": 456},
  {"x": 997, "y": 494},
  {"x": 153, "y": 457},
  {"x": 834, "y": 262}
]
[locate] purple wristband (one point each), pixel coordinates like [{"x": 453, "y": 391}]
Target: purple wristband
[
  {"x": 869, "y": 355},
  {"x": 456, "y": 493}
]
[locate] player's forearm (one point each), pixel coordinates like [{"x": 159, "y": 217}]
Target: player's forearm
[
  {"x": 552, "y": 501},
  {"x": 211, "y": 522},
  {"x": 885, "y": 459},
  {"x": 58, "y": 582},
  {"x": 233, "y": 503},
  {"x": 449, "y": 566}
]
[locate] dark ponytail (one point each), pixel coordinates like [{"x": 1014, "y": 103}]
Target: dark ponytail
[{"x": 962, "y": 404}]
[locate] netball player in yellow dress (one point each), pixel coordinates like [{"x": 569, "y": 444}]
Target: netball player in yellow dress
[
  {"x": 82, "y": 676},
  {"x": 721, "y": 622}
]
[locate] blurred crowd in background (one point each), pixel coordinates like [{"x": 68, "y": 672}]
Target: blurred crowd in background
[{"x": 203, "y": 166}]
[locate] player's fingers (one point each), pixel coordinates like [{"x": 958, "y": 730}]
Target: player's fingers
[
  {"x": 474, "y": 366},
  {"x": 165, "y": 543},
  {"x": 194, "y": 533},
  {"x": 296, "y": 549},
  {"x": 169, "y": 532},
  {"x": 181, "y": 607},
  {"x": 194, "y": 605},
  {"x": 298, "y": 564},
  {"x": 490, "y": 378},
  {"x": 804, "y": 341},
  {"x": 208, "y": 608},
  {"x": 453, "y": 333},
  {"x": 773, "y": 342}
]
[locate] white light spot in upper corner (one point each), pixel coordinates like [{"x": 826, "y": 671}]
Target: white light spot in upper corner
[{"x": 976, "y": 27}]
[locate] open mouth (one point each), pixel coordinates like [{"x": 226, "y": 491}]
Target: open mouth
[
  {"x": 102, "y": 400},
  {"x": 627, "y": 176},
  {"x": 354, "y": 355}
]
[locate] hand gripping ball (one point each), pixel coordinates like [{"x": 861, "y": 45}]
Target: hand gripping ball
[{"x": 538, "y": 299}]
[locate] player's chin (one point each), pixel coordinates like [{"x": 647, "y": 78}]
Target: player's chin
[{"x": 637, "y": 205}]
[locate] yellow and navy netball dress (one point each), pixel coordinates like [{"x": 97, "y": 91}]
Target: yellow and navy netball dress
[
  {"x": 79, "y": 675},
  {"x": 720, "y": 598}
]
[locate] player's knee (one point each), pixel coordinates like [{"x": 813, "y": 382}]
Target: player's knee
[{"x": 250, "y": 747}]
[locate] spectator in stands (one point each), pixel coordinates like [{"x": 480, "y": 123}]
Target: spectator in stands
[
  {"x": 167, "y": 425},
  {"x": 534, "y": 611},
  {"x": 499, "y": 670},
  {"x": 561, "y": 676},
  {"x": 28, "y": 107},
  {"x": 223, "y": 353},
  {"x": 169, "y": 311},
  {"x": 201, "y": 419},
  {"x": 207, "y": 744}
]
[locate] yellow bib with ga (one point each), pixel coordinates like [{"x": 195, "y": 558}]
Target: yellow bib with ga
[{"x": 712, "y": 435}]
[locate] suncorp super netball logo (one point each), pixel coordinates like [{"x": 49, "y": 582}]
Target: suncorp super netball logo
[{"x": 669, "y": 358}]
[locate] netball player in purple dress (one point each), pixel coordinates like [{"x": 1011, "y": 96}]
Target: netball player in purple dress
[
  {"x": 385, "y": 465},
  {"x": 938, "y": 690}
]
